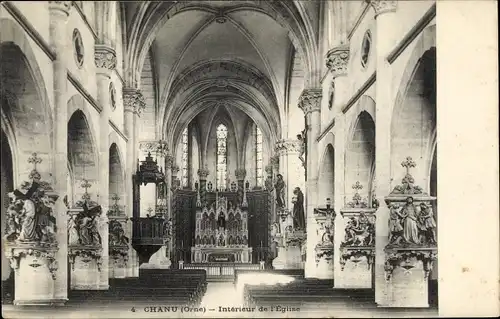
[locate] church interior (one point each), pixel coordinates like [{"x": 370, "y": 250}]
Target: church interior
[{"x": 187, "y": 153}]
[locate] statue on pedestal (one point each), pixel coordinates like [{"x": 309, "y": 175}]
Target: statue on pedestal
[
  {"x": 409, "y": 216},
  {"x": 221, "y": 221},
  {"x": 299, "y": 222},
  {"x": 280, "y": 191}
]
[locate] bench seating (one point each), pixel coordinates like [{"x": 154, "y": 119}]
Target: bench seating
[
  {"x": 303, "y": 292},
  {"x": 170, "y": 287}
]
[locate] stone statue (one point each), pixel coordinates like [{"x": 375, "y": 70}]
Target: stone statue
[
  {"x": 359, "y": 231},
  {"x": 302, "y": 146},
  {"x": 84, "y": 231},
  {"x": 12, "y": 223},
  {"x": 280, "y": 191},
  {"x": 409, "y": 216},
  {"x": 299, "y": 221},
  {"x": 427, "y": 224},
  {"x": 167, "y": 227},
  {"x": 117, "y": 234},
  {"x": 327, "y": 237},
  {"x": 94, "y": 231},
  {"x": 73, "y": 237},
  {"x": 395, "y": 227},
  {"x": 28, "y": 228},
  {"x": 221, "y": 221}
]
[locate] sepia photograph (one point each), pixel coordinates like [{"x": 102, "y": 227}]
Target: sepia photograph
[{"x": 249, "y": 159}]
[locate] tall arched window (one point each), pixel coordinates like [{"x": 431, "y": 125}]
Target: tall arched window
[
  {"x": 221, "y": 156},
  {"x": 259, "y": 171},
  {"x": 185, "y": 158}
]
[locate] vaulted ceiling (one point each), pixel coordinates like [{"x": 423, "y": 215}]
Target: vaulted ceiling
[{"x": 205, "y": 53}]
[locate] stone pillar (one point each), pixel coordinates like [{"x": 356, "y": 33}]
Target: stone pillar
[
  {"x": 133, "y": 104},
  {"x": 105, "y": 60},
  {"x": 310, "y": 103},
  {"x": 240, "y": 174},
  {"x": 288, "y": 151},
  {"x": 203, "y": 174},
  {"x": 384, "y": 12},
  {"x": 59, "y": 12},
  {"x": 337, "y": 60}
]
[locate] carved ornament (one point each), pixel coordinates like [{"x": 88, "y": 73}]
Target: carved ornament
[
  {"x": 359, "y": 229},
  {"x": 407, "y": 186},
  {"x": 30, "y": 221},
  {"x": 324, "y": 252},
  {"x": 86, "y": 254},
  {"x": 383, "y": 6},
  {"x": 357, "y": 200},
  {"x": 203, "y": 173},
  {"x": 41, "y": 255},
  {"x": 133, "y": 100},
  {"x": 407, "y": 259},
  {"x": 355, "y": 255},
  {"x": 105, "y": 57},
  {"x": 240, "y": 174},
  {"x": 169, "y": 160},
  {"x": 288, "y": 146},
  {"x": 337, "y": 60},
  {"x": 269, "y": 170},
  {"x": 310, "y": 100},
  {"x": 63, "y": 6}
]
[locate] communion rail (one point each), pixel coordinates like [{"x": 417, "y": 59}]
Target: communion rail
[{"x": 222, "y": 271}]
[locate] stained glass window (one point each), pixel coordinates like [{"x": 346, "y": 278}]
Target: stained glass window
[
  {"x": 184, "y": 158},
  {"x": 221, "y": 156},
  {"x": 259, "y": 173}
]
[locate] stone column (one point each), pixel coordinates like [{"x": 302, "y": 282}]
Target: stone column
[
  {"x": 133, "y": 103},
  {"x": 337, "y": 60},
  {"x": 384, "y": 12},
  {"x": 240, "y": 174},
  {"x": 310, "y": 103},
  {"x": 203, "y": 174},
  {"x": 291, "y": 166},
  {"x": 59, "y": 12},
  {"x": 105, "y": 60}
]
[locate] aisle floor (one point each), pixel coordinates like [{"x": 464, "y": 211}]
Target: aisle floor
[{"x": 217, "y": 303}]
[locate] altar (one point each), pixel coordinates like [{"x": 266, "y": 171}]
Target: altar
[{"x": 221, "y": 234}]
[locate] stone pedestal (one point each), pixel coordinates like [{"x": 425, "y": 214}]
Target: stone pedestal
[
  {"x": 35, "y": 270},
  {"x": 118, "y": 259},
  {"x": 86, "y": 263},
  {"x": 357, "y": 250},
  {"x": 407, "y": 271},
  {"x": 324, "y": 249},
  {"x": 356, "y": 266}
]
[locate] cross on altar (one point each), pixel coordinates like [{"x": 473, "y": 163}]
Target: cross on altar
[
  {"x": 86, "y": 185},
  {"x": 34, "y": 159},
  {"x": 408, "y": 163}
]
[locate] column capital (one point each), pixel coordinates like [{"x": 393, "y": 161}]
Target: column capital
[
  {"x": 105, "y": 57},
  {"x": 62, "y": 6},
  {"x": 240, "y": 174},
  {"x": 383, "y": 6},
  {"x": 203, "y": 173},
  {"x": 337, "y": 60},
  {"x": 133, "y": 100},
  {"x": 310, "y": 100},
  {"x": 287, "y": 146}
]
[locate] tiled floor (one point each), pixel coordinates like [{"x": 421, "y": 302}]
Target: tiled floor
[{"x": 217, "y": 295}]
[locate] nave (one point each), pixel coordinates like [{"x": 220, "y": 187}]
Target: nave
[{"x": 283, "y": 293}]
